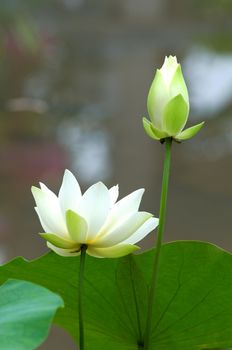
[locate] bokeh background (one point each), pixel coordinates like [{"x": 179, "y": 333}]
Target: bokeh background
[{"x": 74, "y": 77}]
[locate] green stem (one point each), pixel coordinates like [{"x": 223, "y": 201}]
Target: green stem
[
  {"x": 162, "y": 214},
  {"x": 80, "y": 299}
]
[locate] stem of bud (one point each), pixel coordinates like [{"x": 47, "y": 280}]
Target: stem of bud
[{"x": 162, "y": 215}]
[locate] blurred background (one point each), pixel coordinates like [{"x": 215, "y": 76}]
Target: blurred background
[{"x": 74, "y": 78}]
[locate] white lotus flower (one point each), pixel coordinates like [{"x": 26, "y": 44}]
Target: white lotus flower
[{"x": 108, "y": 228}]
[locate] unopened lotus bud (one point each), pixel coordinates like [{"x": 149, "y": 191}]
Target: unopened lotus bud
[{"x": 168, "y": 104}]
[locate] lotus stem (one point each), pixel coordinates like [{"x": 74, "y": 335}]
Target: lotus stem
[{"x": 162, "y": 215}]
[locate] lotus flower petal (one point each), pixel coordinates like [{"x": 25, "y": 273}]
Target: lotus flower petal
[
  {"x": 49, "y": 210},
  {"x": 95, "y": 207},
  {"x": 70, "y": 193},
  {"x": 123, "y": 209},
  {"x": 77, "y": 227},
  {"x": 157, "y": 99},
  {"x": 143, "y": 231},
  {"x": 113, "y": 191},
  {"x": 123, "y": 231}
]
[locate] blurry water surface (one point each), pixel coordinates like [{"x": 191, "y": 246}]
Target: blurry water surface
[{"x": 74, "y": 81}]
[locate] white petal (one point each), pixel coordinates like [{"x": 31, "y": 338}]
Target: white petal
[
  {"x": 113, "y": 191},
  {"x": 157, "y": 99},
  {"x": 45, "y": 227},
  {"x": 143, "y": 231},
  {"x": 70, "y": 193},
  {"x": 123, "y": 209},
  {"x": 49, "y": 211},
  {"x": 63, "y": 252},
  {"x": 112, "y": 252},
  {"x": 124, "y": 231},
  {"x": 44, "y": 188},
  {"x": 169, "y": 68},
  {"x": 95, "y": 207}
]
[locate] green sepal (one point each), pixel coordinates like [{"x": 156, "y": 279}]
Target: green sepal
[
  {"x": 190, "y": 132},
  {"x": 153, "y": 132},
  {"x": 175, "y": 115},
  {"x": 148, "y": 129},
  {"x": 59, "y": 241},
  {"x": 77, "y": 226},
  {"x": 160, "y": 134},
  {"x": 116, "y": 251}
]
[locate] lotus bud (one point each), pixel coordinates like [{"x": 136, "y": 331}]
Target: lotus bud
[{"x": 168, "y": 104}]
